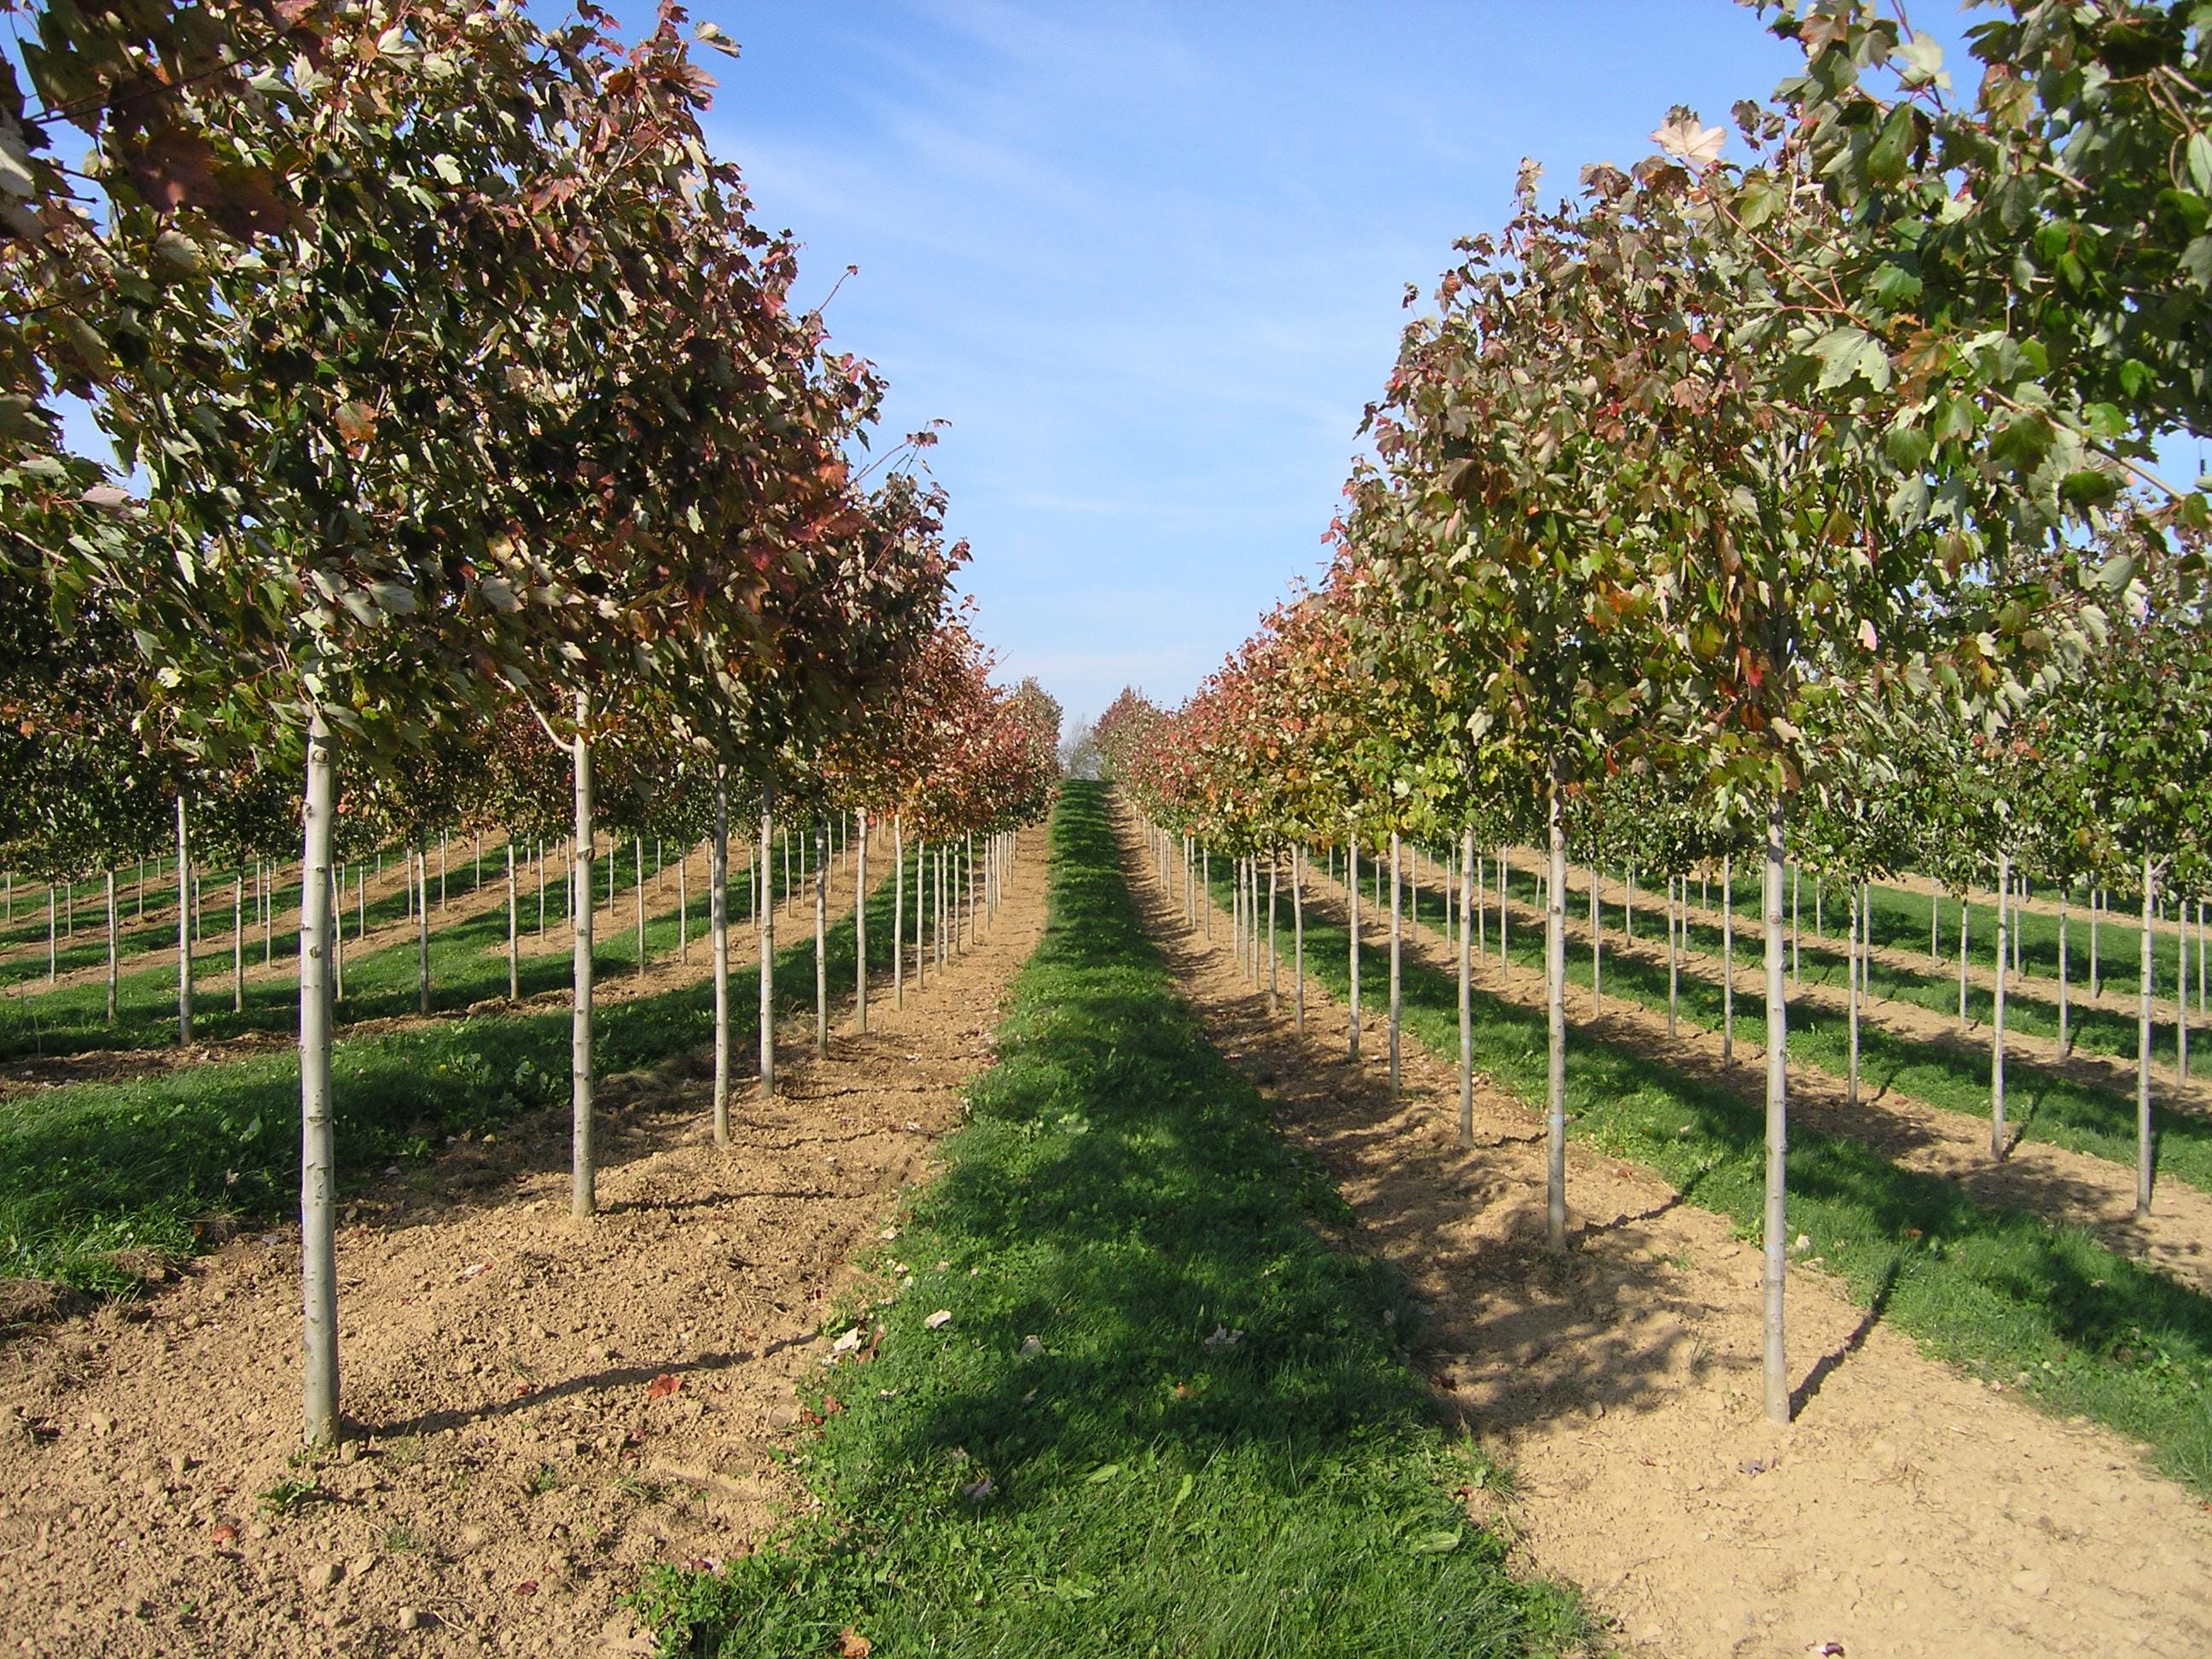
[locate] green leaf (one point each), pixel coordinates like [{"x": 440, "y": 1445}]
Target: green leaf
[
  {"x": 1848, "y": 352},
  {"x": 1443, "y": 1541},
  {"x": 2198, "y": 155}
]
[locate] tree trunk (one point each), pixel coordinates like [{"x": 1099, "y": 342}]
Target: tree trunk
[
  {"x": 2148, "y": 970},
  {"x": 1965, "y": 910},
  {"x": 767, "y": 931},
  {"x": 1396, "y": 976},
  {"x": 1935, "y": 921},
  {"x": 1504, "y": 900},
  {"x": 319, "y": 1280},
  {"x": 2181, "y": 991},
  {"x": 2096, "y": 913},
  {"x": 1470, "y": 868},
  {"x": 1728, "y": 960},
  {"x": 1274, "y": 999},
  {"x": 718, "y": 949},
  {"x": 860, "y": 927},
  {"x": 1855, "y": 971},
  {"x": 1555, "y": 1009},
  {"x": 338, "y": 930},
  {"x": 1775, "y": 1363},
  {"x": 821, "y": 939},
  {"x": 184, "y": 927},
  {"x": 583, "y": 1173},
  {"x": 1597, "y": 938},
  {"x": 1299, "y": 938},
  {"x": 637, "y": 898},
  {"x": 52, "y": 937},
  {"x": 1351, "y": 889},
  {"x": 898, "y": 909},
  {"x": 2065, "y": 1020},
  {"x": 1205, "y": 891},
  {"x": 1797, "y": 888},
  {"x": 423, "y": 924},
  {"x": 683, "y": 904},
  {"x": 238, "y": 942},
  {"x": 1674, "y": 921},
  {"x": 111, "y": 947},
  {"x": 1997, "y": 1015}
]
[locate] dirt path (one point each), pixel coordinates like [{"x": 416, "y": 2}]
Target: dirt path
[
  {"x": 542, "y": 1407},
  {"x": 664, "y": 972},
  {"x": 2095, "y": 1193},
  {"x": 1908, "y": 1510}
]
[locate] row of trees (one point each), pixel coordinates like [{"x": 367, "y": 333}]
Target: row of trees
[
  {"x": 471, "y": 454},
  {"x": 1777, "y": 508}
]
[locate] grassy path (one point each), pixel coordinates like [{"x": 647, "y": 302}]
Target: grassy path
[{"x": 1162, "y": 1414}]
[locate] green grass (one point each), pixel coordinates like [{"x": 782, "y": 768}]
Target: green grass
[
  {"x": 2040, "y": 1103},
  {"x": 92, "y": 1174},
  {"x": 2035, "y": 1305},
  {"x": 1132, "y": 1487}
]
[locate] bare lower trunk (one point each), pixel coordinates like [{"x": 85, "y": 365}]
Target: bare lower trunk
[
  {"x": 637, "y": 898},
  {"x": 1857, "y": 973},
  {"x": 1775, "y": 1365},
  {"x": 111, "y": 947},
  {"x": 1728, "y": 960},
  {"x": 821, "y": 939},
  {"x": 2065, "y": 1014},
  {"x": 1396, "y": 950},
  {"x": 1468, "y": 866},
  {"x": 1597, "y": 943},
  {"x": 319, "y": 1280},
  {"x": 2148, "y": 969},
  {"x": 1555, "y": 1017},
  {"x": 514, "y": 931},
  {"x": 1274, "y": 1000},
  {"x": 1299, "y": 938},
  {"x": 422, "y": 928},
  {"x": 1673, "y": 953},
  {"x": 768, "y": 943},
  {"x": 184, "y": 927},
  {"x": 1351, "y": 889},
  {"x": 898, "y": 910},
  {"x": 860, "y": 927},
  {"x": 1998, "y": 1014},
  {"x": 583, "y": 1165},
  {"x": 718, "y": 950}
]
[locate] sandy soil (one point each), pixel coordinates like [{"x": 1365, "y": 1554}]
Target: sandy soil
[
  {"x": 1907, "y": 1511},
  {"x": 540, "y": 1406},
  {"x": 2095, "y": 1193}
]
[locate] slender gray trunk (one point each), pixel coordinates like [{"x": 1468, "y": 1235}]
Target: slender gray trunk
[
  {"x": 184, "y": 926},
  {"x": 1274, "y": 1000},
  {"x": 2096, "y": 914},
  {"x": 718, "y": 949},
  {"x": 1352, "y": 887},
  {"x": 1965, "y": 910},
  {"x": 1299, "y": 938},
  {"x": 1775, "y": 1363},
  {"x": 1396, "y": 975},
  {"x": 637, "y": 898},
  {"x": 2065, "y": 1019},
  {"x": 898, "y": 910},
  {"x": 2149, "y": 970},
  {"x": 768, "y": 946},
  {"x": 1728, "y": 960},
  {"x": 1555, "y": 1019},
  {"x": 422, "y": 927},
  {"x": 111, "y": 947},
  {"x": 1469, "y": 867},
  {"x": 821, "y": 939},
  {"x": 683, "y": 904},
  {"x": 1997, "y": 1013},
  {"x": 514, "y": 930},
  {"x": 583, "y": 1174},
  {"x": 238, "y": 942},
  {"x": 1797, "y": 889},
  {"x": 860, "y": 926},
  {"x": 1597, "y": 941},
  {"x": 1675, "y": 920},
  {"x": 1855, "y": 971},
  {"x": 319, "y": 1280}
]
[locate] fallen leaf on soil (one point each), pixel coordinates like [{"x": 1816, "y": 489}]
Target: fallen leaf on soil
[
  {"x": 1827, "y": 1650},
  {"x": 527, "y": 1587},
  {"x": 225, "y": 1534},
  {"x": 848, "y": 1342},
  {"x": 662, "y": 1386},
  {"x": 831, "y": 1404},
  {"x": 851, "y": 1644},
  {"x": 472, "y": 1271},
  {"x": 938, "y": 1319}
]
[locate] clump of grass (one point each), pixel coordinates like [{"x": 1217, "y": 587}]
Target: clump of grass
[
  {"x": 1213, "y": 1446},
  {"x": 289, "y": 1494}
]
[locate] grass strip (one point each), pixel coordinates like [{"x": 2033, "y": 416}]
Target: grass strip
[
  {"x": 93, "y": 1175},
  {"x": 1213, "y": 1446},
  {"x": 2017, "y": 1300}
]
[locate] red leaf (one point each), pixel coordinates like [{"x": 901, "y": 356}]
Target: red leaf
[
  {"x": 851, "y": 1644},
  {"x": 225, "y": 1534},
  {"x": 662, "y": 1386},
  {"x": 527, "y": 1587}
]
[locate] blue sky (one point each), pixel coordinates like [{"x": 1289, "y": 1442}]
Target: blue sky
[{"x": 1147, "y": 260}]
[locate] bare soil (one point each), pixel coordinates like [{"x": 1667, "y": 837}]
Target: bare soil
[
  {"x": 540, "y": 1406},
  {"x": 1909, "y": 1510}
]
